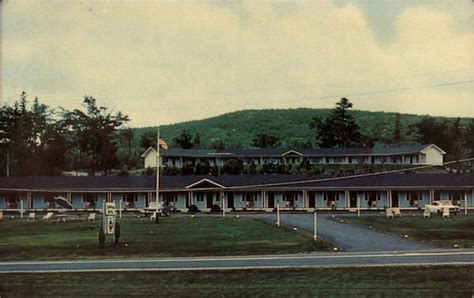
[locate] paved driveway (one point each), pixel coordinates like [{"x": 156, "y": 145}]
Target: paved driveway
[{"x": 350, "y": 238}]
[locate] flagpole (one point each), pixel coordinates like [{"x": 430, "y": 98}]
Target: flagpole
[{"x": 157, "y": 169}]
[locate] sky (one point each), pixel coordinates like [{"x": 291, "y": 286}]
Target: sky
[{"x": 162, "y": 62}]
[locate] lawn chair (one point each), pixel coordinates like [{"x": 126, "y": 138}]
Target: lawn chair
[
  {"x": 48, "y": 216},
  {"x": 427, "y": 212},
  {"x": 31, "y": 216},
  {"x": 153, "y": 216},
  {"x": 445, "y": 212},
  {"x": 91, "y": 217},
  {"x": 388, "y": 213},
  {"x": 396, "y": 212}
]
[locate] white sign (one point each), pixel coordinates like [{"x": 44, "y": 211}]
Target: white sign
[
  {"x": 109, "y": 208},
  {"x": 110, "y": 225}
]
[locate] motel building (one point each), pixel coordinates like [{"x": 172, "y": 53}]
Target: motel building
[
  {"x": 409, "y": 155},
  {"x": 239, "y": 193}
]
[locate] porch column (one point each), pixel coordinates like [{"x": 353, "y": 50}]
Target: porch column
[
  {"x": 431, "y": 196},
  {"x": 69, "y": 197},
  {"x": 346, "y": 199},
  {"x": 305, "y": 199},
  {"x": 29, "y": 203},
  {"x": 191, "y": 200},
  {"x": 389, "y": 198},
  {"x": 263, "y": 199},
  {"x": 465, "y": 202}
]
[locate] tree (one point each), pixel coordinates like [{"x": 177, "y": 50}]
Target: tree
[
  {"x": 29, "y": 137},
  {"x": 430, "y": 131},
  {"x": 263, "y": 140},
  {"x": 148, "y": 139},
  {"x": 127, "y": 136},
  {"x": 469, "y": 138},
  {"x": 455, "y": 149},
  {"x": 339, "y": 129},
  {"x": 184, "y": 140},
  {"x": 197, "y": 140},
  {"x": 95, "y": 133},
  {"x": 397, "y": 137}
]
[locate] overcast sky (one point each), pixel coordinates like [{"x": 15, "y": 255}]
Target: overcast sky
[{"x": 162, "y": 62}]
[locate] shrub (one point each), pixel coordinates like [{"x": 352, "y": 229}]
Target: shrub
[
  {"x": 215, "y": 208},
  {"x": 117, "y": 232},
  {"x": 101, "y": 236},
  {"x": 193, "y": 209}
]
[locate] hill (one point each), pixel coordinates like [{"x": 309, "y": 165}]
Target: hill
[{"x": 237, "y": 129}]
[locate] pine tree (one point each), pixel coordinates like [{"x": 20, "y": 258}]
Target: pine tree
[{"x": 339, "y": 129}]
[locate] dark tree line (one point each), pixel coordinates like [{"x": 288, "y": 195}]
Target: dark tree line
[{"x": 37, "y": 140}]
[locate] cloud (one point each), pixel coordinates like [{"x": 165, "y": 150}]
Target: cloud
[{"x": 164, "y": 62}]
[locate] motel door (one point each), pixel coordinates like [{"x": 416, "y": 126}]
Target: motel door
[
  {"x": 271, "y": 200},
  {"x": 353, "y": 199},
  {"x": 311, "y": 200},
  {"x": 395, "y": 200},
  {"x": 209, "y": 200},
  {"x": 230, "y": 200}
]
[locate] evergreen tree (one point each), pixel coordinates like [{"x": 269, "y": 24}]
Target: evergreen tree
[
  {"x": 184, "y": 140},
  {"x": 148, "y": 139},
  {"x": 430, "y": 131},
  {"x": 455, "y": 150},
  {"x": 339, "y": 129},
  {"x": 263, "y": 140},
  {"x": 397, "y": 137},
  {"x": 469, "y": 138}
]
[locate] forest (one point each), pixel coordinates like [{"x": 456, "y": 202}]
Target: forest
[{"x": 36, "y": 139}]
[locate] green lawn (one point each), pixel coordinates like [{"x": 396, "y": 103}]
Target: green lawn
[
  {"x": 442, "y": 232},
  {"x": 377, "y": 282},
  {"x": 173, "y": 236}
]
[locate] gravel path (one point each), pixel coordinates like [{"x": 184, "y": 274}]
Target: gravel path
[{"x": 351, "y": 238}]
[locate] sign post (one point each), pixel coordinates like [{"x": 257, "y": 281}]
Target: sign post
[
  {"x": 315, "y": 233},
  {"x": 278, "y": 215}
]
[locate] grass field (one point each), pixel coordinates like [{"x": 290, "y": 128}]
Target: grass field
[
  {"x": 378, "y": 282},
  {"x": 437, "y": 231},
  {"x": 173, "y": 236}
]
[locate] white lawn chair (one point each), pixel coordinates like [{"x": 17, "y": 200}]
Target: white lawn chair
[
  {"x": 388, "y": 213},
  {"x": 445, "y": 212},
  {"x": 91, "y": 217},
  {"x": 31, "y": 216},
  {"x": 48, "y": 216},
  {"x": 427, "y": 212},
  {"x": 396, "y": 212}
]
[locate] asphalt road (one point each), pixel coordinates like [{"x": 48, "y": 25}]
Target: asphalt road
[
  {"x": 350, "y": 238},
  {"x": 321, "y": 260}
]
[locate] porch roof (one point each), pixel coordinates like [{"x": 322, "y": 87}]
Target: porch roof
[{"x": 229, "y": 182}]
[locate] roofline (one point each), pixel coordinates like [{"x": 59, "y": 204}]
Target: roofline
[
  {"x": 436, "y": 147},
  {"x": 205, "y": 180},
  {"x": 144, "y": 154},
  {"x": 292, "y": 150}
]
